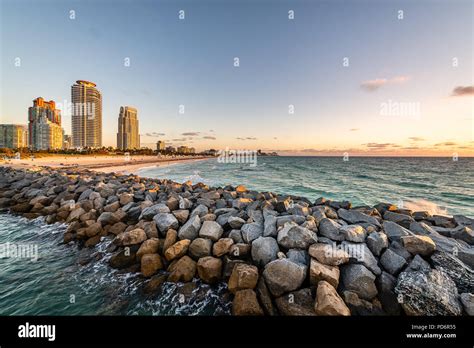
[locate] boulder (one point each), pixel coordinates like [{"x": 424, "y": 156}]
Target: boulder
[
  {"x": 330, "y": 229},
  {"x": 265, "y": 298},
  {"x": 377, "y": 242},
  {"x": 165, "y": 221},
  {"x": 149, "y": 212},
  {"x": 328, "y": 301},
  {"x": 235, "y": 222},
  {"x": 328, "y": 254},
  {"x": 150, "y": 246},
  {"x": 107, "y": 218},
  {"x": 467, "y": 300},
  {"x": 200, "y": 247},
  {"x": 319, "y": 271},
  {"x": 190, "y": 229},
  {"x": 150, "y": 264},
  {"x": 296, "y": 303},
  {"x": 427, "y": 293},
  {"x": 292, "y": 236},
  {"x": 222, "y": 246},
  {"x": 181, "y": 215},
  {"x": 211, "y": 230},
  {"x": 182, "y": 270},
  {"x": 243, "y": 276},
  {"x": 401, "y": 219},
  {"x": 264, "y": 250},
  {"x": 209, "y": 269},
  {"x": 170, "y": 239},
  {"x": 283, "y": 276},
  {"x": 422, "y": 245},
  {"x": 135, "y": 236},
  {"x": 93, "y": 229},
  {"x": 392, "y": 262},
  {"x": 460, "y": 273},
  {"x": 394, "y": 231},
  {"x": 353, "y": 233},
  {"x": 357, "y": 278},
  {"x": 245, "y": 303},
  {"x": 177, "y": 250},
  {"x": 353, "y": 216},
  {"x": 251, "y": 231},
  {"x": 123, "y": 259}
]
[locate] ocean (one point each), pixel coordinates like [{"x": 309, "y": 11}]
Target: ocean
[
  {"x": 55, "y": 284},
  {"x": 439, "y": 185}
]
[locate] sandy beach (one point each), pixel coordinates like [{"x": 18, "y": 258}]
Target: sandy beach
[{"x": 106, "y": 164}]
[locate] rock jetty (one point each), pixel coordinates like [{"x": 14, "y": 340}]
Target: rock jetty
[{"x": 278, "y": 254}]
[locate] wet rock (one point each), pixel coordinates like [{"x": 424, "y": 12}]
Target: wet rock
[
  {"x": 209, "y": 269},
  {"x": 93, "y": 229},
  {"x": 182, "y": 270},
  {"x": 328, "y": 301},
  {"x": 150, "y": 246},
  {"x": 245, "y": 303},
  {"x": 154, "y": 283},
  {"x": 243, "y": 276},
  {"x": 135, "y": 236},
  {"x": 150, "y": 264},
  {"x": 283, "y": 276},
  {"x": 122, "y": 259},
  {"x": 296, "y": 303}
]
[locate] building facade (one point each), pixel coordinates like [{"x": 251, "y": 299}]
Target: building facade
[
  {"x": 44, "y": 126},
  {"x": 160, "y": 146},
  {"x": 86, "y": 115},
  {"x": 128, "y": 136},
  {"x": 13, "y": 136}
]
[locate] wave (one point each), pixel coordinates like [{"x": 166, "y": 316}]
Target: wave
[{"x": 425, "y": 205}]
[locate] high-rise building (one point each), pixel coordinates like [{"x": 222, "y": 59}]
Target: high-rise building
[
  {"x": 160, "y": 145},
  {"x": 86, "y": 115},
  {"x": 44, "y": 126},
  {"x": 128, "y": 136},
  {"x": 183, "y": 149},
  {"x": 13, "y": 136}
]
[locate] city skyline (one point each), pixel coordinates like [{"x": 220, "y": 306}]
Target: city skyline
[{"x": 404, "y": 89}]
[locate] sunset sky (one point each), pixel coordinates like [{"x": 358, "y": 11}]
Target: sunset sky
[{"x": 423, "y": 62}]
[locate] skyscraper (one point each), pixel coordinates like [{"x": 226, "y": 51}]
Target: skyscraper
[
  {"x": 127, "y": 134},
  {"x": 44, "y": 126},
  {"x": 86, "y": 115},
  {"x": 160, "y": 145},
  {"x": 13, "y": 136}
]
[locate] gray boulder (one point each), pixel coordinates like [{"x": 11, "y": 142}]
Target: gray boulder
[
  {"x": 377, "y": 241},
  {"x": 190, "y": 229},
  {"x": 392, "y": 262},
  {"x": 283, "y": 276},
  {"x": 357, "y": 278},
  {"x": 251, "y": 231},
  {"x": 165, "y": 221},
  {"x": 211, "y": 230},
  {"x": 292, "y": 236},
  {"x": 354, "y": 216},
  {"x": 264, "y": 250},
  {"x": 330, "y": 229}
]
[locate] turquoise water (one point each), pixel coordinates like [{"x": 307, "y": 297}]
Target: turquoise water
[
  {"x": 440, "y": 185},
  {"x": 55, "y": 284}
]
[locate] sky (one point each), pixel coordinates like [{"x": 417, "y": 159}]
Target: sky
[{"x": 340, "y": 76}]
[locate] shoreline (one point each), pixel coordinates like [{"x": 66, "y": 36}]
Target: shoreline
[{"x": 330, "y": 257}]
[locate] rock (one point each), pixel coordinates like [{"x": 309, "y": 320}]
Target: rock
[
  {"x": 362, "y": 307},
  {"x": 154, "y": 284},
  {"x": 251, "y": 231},
  {"x": 236, "y": 236},
  {"x": 200, "y": 210},
  {"x": 235, "y": 222},
  {"x": 149, "y": 212},
  {"x": 132, "y": 237},
  {"x": 298, "y": 256},
  {"x": 296, "y": 303},
  {"x": 165, "y": 221},
  {"x": 283, "y": 276},
  {"x": 463, "y": 233},
  {"x": 353, "y": 233},
  {"x": 292, "y": 236},
  {"x": 422, "y": 245},
  {"x": 394, "y": 231},
  {"x": 354, "y": 216},
  {"x": 112, "y": 207},
  {"x": 107, "y": 218},
  {"x": 282, "y": 220},
  {"x": 93, "y": 229},
  {"x": 328, "y": 301},
  {"x": 442, "y": 221},
  {"x": 117, "y": 228},
  {"x": 392, "y": 262},
  {"x": 209, "y": 269},
  {"x": 170, "y": 239},
  {"x": 467, "y": 301},
  {"x": 385, "y": 284},
  {"x": 243, "y": 276},
  {"x": 73, "y": 216},
  {"x": 245, "y": 303},
  {"x": 282, "y": 206},
  {"x": 328, "y": 254},
  {"x": 241, "y": 203},
  {"x": 222, "y": 246},
  {"x": 181, "y": 215},
  {"x": 427, "y": 293},
  {"x": 150, "y": 264},
  {"x": 122, "y": 259},
  {"x": 190, "y": 229},
  {"x": 211, "y": 230},
  {"x": 418, "y": 264},
  {"x": 461, "y": 274},
  {"x": 126, "y": 198},
  {"x": 377, "y": 242},
  {"x": 359, "y": 279},
  {"x": 269, "y": 229},
  {"x": 330, "y": 229},
  {"x": 265, "y": 298},
  {"x": 360, "y": 253},
  {"x": 177, "y": 250},
  {"x": 401, "y": 219},
  {"x": 150, "y": 246},
  {"x": 200, "y": 247},
  {"x": 182, "y": 270},
  {"x": 319, "y": 271},
  {"x": 264, "y": 250}
]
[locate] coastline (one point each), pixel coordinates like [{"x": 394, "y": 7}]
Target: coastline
[
  {"x": 330, "y": 257},
  {"x": 105, "y": 164}
]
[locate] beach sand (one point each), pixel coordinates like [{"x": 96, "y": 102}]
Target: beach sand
[{"x": 106, "y": 164}]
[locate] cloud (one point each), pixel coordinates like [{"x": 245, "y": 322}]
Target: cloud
[
  {"x": 275, "y": 138},
  {"x": 211, "y": 130},
  {"x": 461, "y": 91},
  {"x": 154, "y": 134},
  {"x": 209, "y": 137},
  {"x": 179, "y": 139},
  {"x": 247, "y": 138},
  {"x": 380, "y": 145},
  {"x": 353, "y": 129},
  {"x": 416, "y": 138},
  {"x": 373, "y": 85},
  {"x": 191, "y": 134},
  {"x": 446, "y": 143}
]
